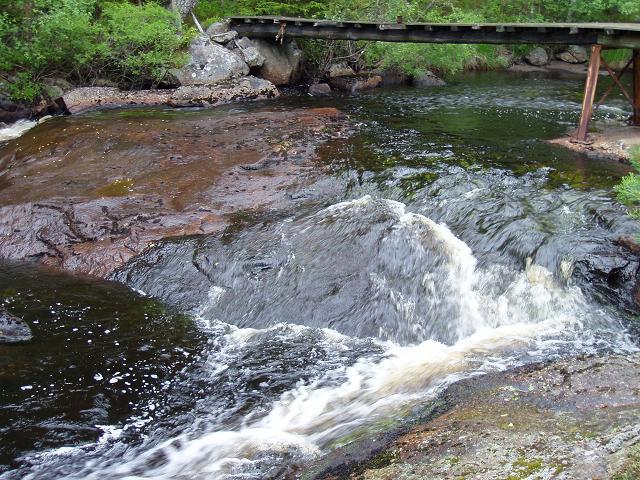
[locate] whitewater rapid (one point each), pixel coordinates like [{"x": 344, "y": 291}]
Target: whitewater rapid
[{"x": 490, "y": 319}]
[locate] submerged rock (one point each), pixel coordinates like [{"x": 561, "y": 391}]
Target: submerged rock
[
  {"x": 319, "y": 89},
  {"x": 13, "y": 329},
  {"x": 611, "y": 273}
]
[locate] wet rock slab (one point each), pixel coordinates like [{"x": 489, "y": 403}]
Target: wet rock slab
[
  {"x": 13, "y": 329},
  {"x": 573, "y": 419},
  {"x": 88, "y": 194}
]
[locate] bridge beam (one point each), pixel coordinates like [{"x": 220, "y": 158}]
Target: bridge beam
[{"x": 589, "y": 93}]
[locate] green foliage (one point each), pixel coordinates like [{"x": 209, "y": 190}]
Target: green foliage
[
  {"x": 139, "y": 44},
  {"x": 629, "y": 188},
  {"x": 25, "y": 88},
  {"x": 81, "y": 40}
]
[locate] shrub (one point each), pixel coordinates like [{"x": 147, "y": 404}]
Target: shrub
[
  {"x": 140, "y": 44},
  {"x": 81, "y": 40},
  {"x": 629, "y": 188}
]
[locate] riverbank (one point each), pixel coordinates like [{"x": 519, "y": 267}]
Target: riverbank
[
  {"x": 609, "y": 141},
  {"x": 575, "y": 419}
]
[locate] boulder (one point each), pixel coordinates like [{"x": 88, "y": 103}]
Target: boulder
[
  {"x": 319, "y": 89},
  {"x": 355, "y": 83},
  {"x": 224, "y": 37},
  {"x": 537, "y": 57},
  {"x": 340, "y": 70},
  {"x": 13, "y": 329},
  {"x": 217, "y": 28},
  {"x": 247, "y": 88},
  {"x": 85, "y": 98},
  {"x": 210, "y": 63},
  {"x": 249, "y": 52},
  {"x": 573, "y": 54},
  {"x": 282, "y": 63},
  {"x": 427, "y": 79},
  {"x": 56, "y": 87}
]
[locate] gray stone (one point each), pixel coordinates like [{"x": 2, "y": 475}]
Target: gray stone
[
  {"x": 224, "y": 37},
  {"x": 210, "y": 64},
  {"x": 282, "y": 63},
  {"x": 244, "y": 42},
  {"x": 53, "y": 91},
  {"x": 56, "y": 87},
  {"x": 244, "y": 88},
  {"x": 13, "y": 329},
  {"x": 249, "y": 52},
  {"x": 427, "y": 79},
  {"x": 537, "y": 57},
  {"x": 339, "y": 70},
  {"x": 252, "y": 56},
  {"x": 217, "y": 28},
  {"x": 319, "y": 89},
  {"x": 573, "y": 54},
  {"x": 85, "y": 98}
]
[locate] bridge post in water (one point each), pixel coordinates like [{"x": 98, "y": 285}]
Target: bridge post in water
[{"x": 589, "y": 93}]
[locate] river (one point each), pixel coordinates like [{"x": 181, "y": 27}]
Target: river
[{"x": 449, "y": 241}]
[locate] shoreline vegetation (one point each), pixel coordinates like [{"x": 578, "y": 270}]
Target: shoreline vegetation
[{"x": 48, "y": 47}]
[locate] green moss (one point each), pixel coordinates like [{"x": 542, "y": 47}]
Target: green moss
[
  {"x": 630, "y": 470},
  {"x": 382, "y": 460},
  {"x": 524, "y": 468}
]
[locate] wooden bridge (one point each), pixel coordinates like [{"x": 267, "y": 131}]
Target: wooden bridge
[{"x": 598, "y": 36}]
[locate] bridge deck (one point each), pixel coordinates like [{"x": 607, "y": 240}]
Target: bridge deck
[{"x": 611, "y": 35}]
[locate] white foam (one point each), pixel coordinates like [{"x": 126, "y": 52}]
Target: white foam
[{"x": 19, "y": 128}]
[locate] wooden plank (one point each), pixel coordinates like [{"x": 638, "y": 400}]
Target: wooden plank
[
  {"x": 621, "y": 26},
  {"x": 611, "y": 35}
]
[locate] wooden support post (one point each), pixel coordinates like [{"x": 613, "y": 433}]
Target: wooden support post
[
  {"x": 589, "y": 93},
  {"x": 635, "y": 120}
]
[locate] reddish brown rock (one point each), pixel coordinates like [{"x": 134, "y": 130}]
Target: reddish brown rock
[{"x": 87, "y": 194}]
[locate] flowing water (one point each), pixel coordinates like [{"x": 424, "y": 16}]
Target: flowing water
[{"x": 444, "y": 246}]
